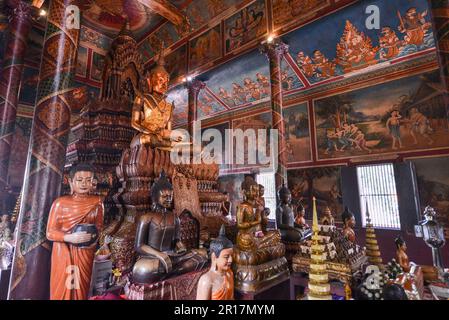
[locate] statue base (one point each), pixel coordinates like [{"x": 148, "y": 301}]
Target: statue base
[
  {"x": 250, "y": 278},
  {"x": 182, "y": 287}
]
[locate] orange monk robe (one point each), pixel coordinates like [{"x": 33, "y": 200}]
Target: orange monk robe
[
  {"x": 226, "y": 292},
  {"x": 66, "y": 212}
]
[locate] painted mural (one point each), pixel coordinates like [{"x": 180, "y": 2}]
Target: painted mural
[
  {"x": 176, "y": 64},
  {"x": 205, "y": 48},
  {"x": 225, "y": 149},
  {"x": 200, "y": 12},
  {"x": 290, "y": 80},
  {"x": 81, "y": 62},
  {"x": 433, "y": 186},
  {"x": 208, "y": 105},
  {"x": 323, "y": 183},
  {"x": 287, "y": 12},
  {"x": 297, "y": 133},
  {"x": 92, "y": 39},
  {"x": 109, "y": 16},
  {"x": 96, "y": 70},
  {"x": 231, "y": 184},
  {"x": 261, "y": 121},
  {"x": 243, "y": 81},
  {"x": 405, "y": 30},
  {"x": 179, "y": 96},
  {"x": 245, "y": 26},
  {"x": 402, "y": 115},
  {"x": 34, "y": 49}
]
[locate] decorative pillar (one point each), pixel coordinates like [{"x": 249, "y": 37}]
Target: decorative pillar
[
  {"x": 19, "y": 27},
  {"x": 440, "y": 12},
  {"x": 43, "y": 177},
  {"x": 275, "y": 51},
  {"x": 194, "y": 87}
]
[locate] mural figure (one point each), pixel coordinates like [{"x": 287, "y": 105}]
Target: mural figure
[
  {"x": 245, "y": 26},
  {"x": 205, "y": 48},
  {"x": 414, "y": 26}
]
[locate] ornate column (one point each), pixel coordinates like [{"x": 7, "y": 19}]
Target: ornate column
[
  {"x": 275, "y": 50},
  {"x": 440, "y": 12},
  {"x": 51, "y": 123},
  {"x": 194, "y": 87},
  {"x": 19, "y": 27}
]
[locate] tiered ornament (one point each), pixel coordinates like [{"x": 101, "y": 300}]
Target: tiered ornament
[
  {"x": 372, "y": 248},
  {"x": 319, "y": 287}
]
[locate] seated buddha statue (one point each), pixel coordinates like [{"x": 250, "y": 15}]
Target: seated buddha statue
[
  {"x": 401, "y": 254},
  {"x": 259, "y": 254},
  {"x": 161, "y": 252},
  {"x": 152, "y": 114},
  {"x": 348, "y": 224},
  {"x": 285, "y": 219},
  {"x": 250, "y": 235}
]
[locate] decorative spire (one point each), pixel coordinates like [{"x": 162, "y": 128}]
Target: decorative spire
[
  {"x": 372, "y": 248},
  {"x": 319, "y": 287}
]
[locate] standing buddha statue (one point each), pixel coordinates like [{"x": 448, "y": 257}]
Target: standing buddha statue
[
  {"x": 152, "y": 114},
  {"x": 73, "y": 225},
  {"x": 162, "y": 253},
  {"x": 218, "y": 283}
]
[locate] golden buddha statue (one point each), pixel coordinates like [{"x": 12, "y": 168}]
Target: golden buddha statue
[
  {"x": 259, "y": 254},
  {"x": 250, "y": 220},
  {"x": 152, "y": 114}
]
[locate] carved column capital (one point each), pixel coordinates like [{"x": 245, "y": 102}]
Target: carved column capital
[
  {"x": 274, "y": 50},
  {"x": 195, "y": 86}
]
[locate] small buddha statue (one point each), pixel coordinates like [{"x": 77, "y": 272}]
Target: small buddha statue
[
  {"x": 348, "y": 224},
  {"x": 264, "y": 211},
  {"x": 250, "y": 235},
  {"x": 327, "y": 218},
  {"x": 218, "y": 283},
  {"x": 161, "y": 251},
  {"x": 285, "y": 220},
  {"x": 401, "y": 254},
  {"x": 300, "y": 219},
  {"x": 74, "y": 224},
  {"x": 152, "y": 114}
]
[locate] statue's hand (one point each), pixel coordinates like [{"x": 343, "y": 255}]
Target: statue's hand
[
  {"x": 165, "y": 259},
  {"x": 180, "y": 248},
  {"x": 78, "y": 237}
]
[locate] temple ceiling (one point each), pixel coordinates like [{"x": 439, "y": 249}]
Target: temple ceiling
[{"x": 109, "y": 16}]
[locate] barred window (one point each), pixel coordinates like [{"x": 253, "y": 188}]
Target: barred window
[
  {"x": 377, "y": 189},
  {"x": 268, "y": 181}
]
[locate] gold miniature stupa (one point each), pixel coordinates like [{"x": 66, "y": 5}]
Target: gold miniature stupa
[
  {"x": 372, "y": 248},
  {"x": 319, "y": 287}
]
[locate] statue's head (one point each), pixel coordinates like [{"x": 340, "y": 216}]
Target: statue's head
[
  {"x": 348, "y": 218},
  {"x": 250, "y": 188},
  {"x": 400, "y": 243},
  {"x": 285, "y": 196},
  {"x": 82, "y": 179},
  {"x": 261, "y": 190},
  {"x": 162, "y": 193},
  {"x": 221, "y": 249},
  {"x": 159, "y": 78}
]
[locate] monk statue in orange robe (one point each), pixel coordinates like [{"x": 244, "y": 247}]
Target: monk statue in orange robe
[
  {"x": 218, "y": 283},
  {"x": 74, "y": 224}
]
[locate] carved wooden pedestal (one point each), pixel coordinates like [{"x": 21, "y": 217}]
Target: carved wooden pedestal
[{"x": 276, "y": 290}]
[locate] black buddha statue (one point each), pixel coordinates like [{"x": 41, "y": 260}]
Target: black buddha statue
[
  {"x": 285, "y": 219},
  {"x": 161, "y": 252}
]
